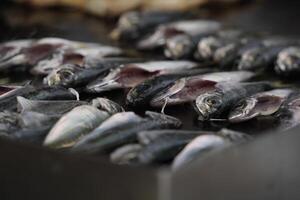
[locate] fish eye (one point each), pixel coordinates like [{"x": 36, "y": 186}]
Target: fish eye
[
  {"x": 65, "y": 74},
  {"x": 212, "y": 101}
]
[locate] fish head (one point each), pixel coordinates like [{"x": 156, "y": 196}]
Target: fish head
[
  {"x": 288, "y": 60},
  {"x": 64, "y": 75},
  {"x": 243, "y": 111},
  {"x": 127, "y": 27},
  {"x": 179, "y": 46},
  {"x": 207, "y": 46},
  {"x": 255, "y": 106},
  {"x": 209, "y": 104},
  {"x": 251, "y": 59}
]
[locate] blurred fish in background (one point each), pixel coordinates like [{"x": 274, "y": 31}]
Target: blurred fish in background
[{"x": 117, "y": 7}]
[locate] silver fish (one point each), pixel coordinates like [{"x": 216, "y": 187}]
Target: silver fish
[
  {"x": 123, "y": 119},
  {"x": 218, "y": 102},
  {"x": 126, "y": 154},
  {"x": 127, "y": 133},
  {"x": 199, "y": 147},
  {"x": 54, "y": 107},
  {"x": 131, "y": 75},
  {"x": 73, "y": 125},
  {"x": 189, "y": 88},
  {"x": 260, "y": 104},
  {"x": 164, "y": 145},
  {"x": 190, "y": 27},
  {"x": 288, "y": 62}
]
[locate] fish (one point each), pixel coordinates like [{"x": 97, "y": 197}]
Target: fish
[
  {"x": 8, "y": 122},
  {"x": 260, "y": 104},
  {"x": 127, "y": 133},
  {"x": 143, "y": 93},
  {"x": 74, "y": 75},
  {"x": 130, "y": 75},
  {"x": 134, "y": 25},
  {"x": 162, "y": 146},
  {"x": 235, "y": 137},
  {"x": 146, "y": 137},
  {"x": 9, "y": 101},
  {"x": 88, "y": 56},
  {"x": 30, "y": 55},
  {"x": 288, "y": 62},
  {"x": 126, "y": 154},
  {"x": 288, "y": 116},
  {"x": 187, "y": 89},
  {"x": 263, "y": 56},
  {"x": 207, "y": 46},
  {"x": 107, "y": 105},
  {"x": 53, "y": 107},
  {"x": 12, "y": 48},
  {"x": 201, "y": 146},
  {"x": 217, "y": 103},
  {"x": 32, "y": 120},
  {"x": 74, "y": 125},
  {"x": 228, "y": 56},
  {"x": 182, "y": 46},
  {"x": 115, "y": 122},
  {"x": 166, "y": 31}
]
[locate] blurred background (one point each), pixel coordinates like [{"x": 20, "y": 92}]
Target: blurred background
[{"x": 91, "y": 20}]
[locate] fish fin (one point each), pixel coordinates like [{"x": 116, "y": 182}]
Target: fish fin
[
  {"x": 73, "y": 91},
  {"x": 164, "y": 106},
  {"x": 23, "y": 104}
]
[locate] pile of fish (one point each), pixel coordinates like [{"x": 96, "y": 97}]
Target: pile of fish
[{"x": 214, "y": 69}]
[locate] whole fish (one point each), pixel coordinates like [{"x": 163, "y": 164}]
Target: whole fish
[
  {"x": 143, "y": 93},
  {"x": 288, "y": 62},
  {"x": 123, "y": 119},
  {"x": 164, "y": 146},
  {"x": 134, "y": 25},
  {"x": 166, "y": 31},
  {"x": 108, "y": 140},
  {"x": 54, "y": 107},
  {"x": 217, "y": 103},
  {"x": 74, "y": 125},
  {"x": 127, "y": 154},
  {"x": 131, "y": 75},
  {"x": 260, "y": 104},
  {"x": 74, "y": 75},
  {"x": 9, "y": 101},
  {"x": 199, "y": 147},
  {"x": 187, "y": 89}
]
